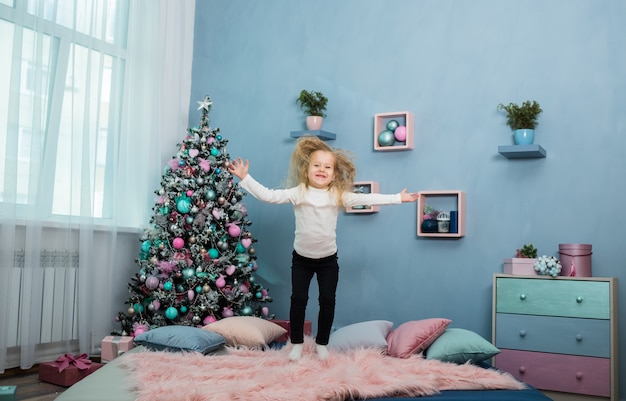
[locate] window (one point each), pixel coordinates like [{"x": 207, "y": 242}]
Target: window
[{"x": 62, "y": 67}]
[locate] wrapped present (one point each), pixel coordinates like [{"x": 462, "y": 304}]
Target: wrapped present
[
  {"x": 114, "y": 346},
  {"x": 287, "y": 326},
  {"x": 7, "y": 393},
  {"x": 67, "y": 369}
]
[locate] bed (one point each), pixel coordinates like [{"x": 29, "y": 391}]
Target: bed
[{"x": 208, "y": 365}]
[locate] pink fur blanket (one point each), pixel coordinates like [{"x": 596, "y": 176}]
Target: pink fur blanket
[{"x": 269, "y": 375}]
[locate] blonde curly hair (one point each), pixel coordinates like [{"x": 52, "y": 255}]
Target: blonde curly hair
[{"x": 301, "y": 157}]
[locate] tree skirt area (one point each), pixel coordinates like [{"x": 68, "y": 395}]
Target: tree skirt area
[{"x": 269, "y": 375}]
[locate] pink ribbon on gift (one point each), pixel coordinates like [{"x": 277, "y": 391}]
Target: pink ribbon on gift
[{"x": 81, "y": 361}]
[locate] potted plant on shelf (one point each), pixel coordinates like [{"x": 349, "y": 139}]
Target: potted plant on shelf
[
  {"x": 524, "y": 261},
  {"x": 522, "y": 119},
  {"x": 313, "y": 104}
]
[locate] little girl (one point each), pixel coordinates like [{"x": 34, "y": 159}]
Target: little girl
[{"x": 322, "y": 180}]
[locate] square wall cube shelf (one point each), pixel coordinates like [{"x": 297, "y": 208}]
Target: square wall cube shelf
[
  {"x": 404, "y": 119},
  {"x": 366, "y": 187},
  {"x": 446, "y": 201}
]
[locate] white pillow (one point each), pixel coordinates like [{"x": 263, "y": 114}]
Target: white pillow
[{"x": 370, "y": 334}]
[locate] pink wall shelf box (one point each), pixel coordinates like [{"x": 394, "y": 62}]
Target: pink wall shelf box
[
  {"x": 368, "y": 187},
  {"x": 447, "y": 201},
  {"x": 404, "y": 131}
]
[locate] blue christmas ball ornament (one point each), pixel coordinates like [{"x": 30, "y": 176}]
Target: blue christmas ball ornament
[
  {"x": 145, "y": 246},
  {"x": 189, "y": 272},
  {"x": 181, "y": 163},
  {"x": 138, "y": 308},
  {"x": 210, "y": 194},
  {"x": 167, "y": 286},
  {"x": 171, "y": 313},
  {"x": 392, "y": 125},
  {"x": 183, "y": 309},
  {"x": 199, "y": 289},
  {"x": 183, "y": 204},
  {"x": 213, "y": 253},
  {"x": 386, "y": 138},
  {"x": 219, "y": 137},
  {"x": 215, "y": 152},
  {"x": 246, "y": 311}
]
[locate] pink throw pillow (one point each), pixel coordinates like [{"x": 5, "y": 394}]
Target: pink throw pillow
[{"x": 415, "y": 336}]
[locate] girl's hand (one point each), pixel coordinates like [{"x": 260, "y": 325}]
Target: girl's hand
[
  {"x": 408, "y": 197},
  {"x": 239, "y": 168}
]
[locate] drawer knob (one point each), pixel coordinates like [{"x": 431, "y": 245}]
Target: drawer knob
[
  {"x": 522, "y": 369},
  {"x": 579, "y": 375},
  {"x": 579, "y": 300},
  {"x": 579, "y": 337},
  {"x": 522, "y": 297},
  {"x": 522, "y": 333}
]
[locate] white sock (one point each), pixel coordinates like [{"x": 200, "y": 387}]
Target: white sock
[
  {"x": 296, "y": 352},
  {"x": 322, "y": 351}
]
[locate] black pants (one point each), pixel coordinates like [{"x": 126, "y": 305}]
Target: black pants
[{"x": 302, "y": 271}]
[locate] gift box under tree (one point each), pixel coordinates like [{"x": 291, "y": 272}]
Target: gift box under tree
[
  {"x": 67, "y": 369},
  {"x": 287, "y": 326},
  {"x": 114, "y": 346},
  {"x": 7, "y": 393}
]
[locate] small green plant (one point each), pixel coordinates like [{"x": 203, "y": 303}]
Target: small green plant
[
  {"x": 312, "y": 103},
  {"x": 521, "y": 117},
  {"x": 527, "y": 251}
]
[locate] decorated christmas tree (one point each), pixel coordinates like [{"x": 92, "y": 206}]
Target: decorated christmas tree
[{"x": 197, "y": 260}]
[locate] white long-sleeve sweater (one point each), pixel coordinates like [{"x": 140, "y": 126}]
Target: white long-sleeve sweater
[{"x": 316, "y": 213}]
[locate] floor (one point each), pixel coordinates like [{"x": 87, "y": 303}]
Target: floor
[{"x": 29, "y": 387}]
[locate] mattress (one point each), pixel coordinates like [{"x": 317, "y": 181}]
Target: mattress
[{"x": 111, "y": 383}]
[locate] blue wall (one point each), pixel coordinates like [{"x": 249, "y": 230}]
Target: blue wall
[{"x": 450, "y": 63}]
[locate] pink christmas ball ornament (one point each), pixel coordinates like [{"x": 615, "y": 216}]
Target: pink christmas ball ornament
[
  {"x": 178, "y": 243},
  {"x": 265, "y": 310},
  {"x": 400, "y": 133},
  {"x": 152, "y": 283},
  {"x": 227, "y": 312},
  {"x": 209, "y": 319},
  {"x": 234, "y": 230}
]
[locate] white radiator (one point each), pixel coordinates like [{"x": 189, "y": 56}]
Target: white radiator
[{"x": 59, "y": 282}]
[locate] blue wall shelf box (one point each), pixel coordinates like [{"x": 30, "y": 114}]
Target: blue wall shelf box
[
  {"x": 522, "y": 151},
  {"x": 325, "y": 135}
]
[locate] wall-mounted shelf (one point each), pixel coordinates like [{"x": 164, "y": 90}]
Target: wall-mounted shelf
[
  {"x": 522, "y": 151},
  {"x": 404, "y": 119},
  {"x": 366, "y": 187},
  {"x": 443, "y": 201},
  {"x": 324, "y": 135}
]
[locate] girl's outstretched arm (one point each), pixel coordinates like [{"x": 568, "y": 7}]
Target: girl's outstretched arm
[
  {"x": 408, "y": 196},
  {"x": 239, "y": 168}
]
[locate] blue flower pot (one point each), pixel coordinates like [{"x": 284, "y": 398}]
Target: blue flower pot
[{"x": 524, "y": 136}]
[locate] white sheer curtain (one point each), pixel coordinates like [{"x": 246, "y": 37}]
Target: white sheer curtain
[{"x": 83, "y": 119}]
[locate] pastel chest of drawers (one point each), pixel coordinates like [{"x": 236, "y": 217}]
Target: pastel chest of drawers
[{"x": 558, "y": 334}]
